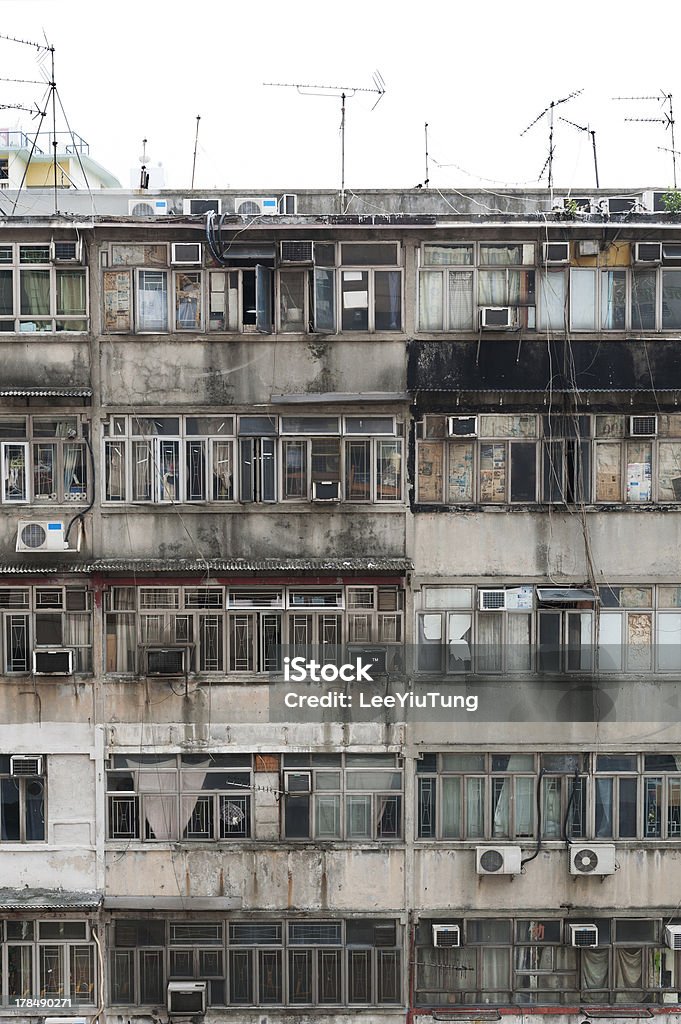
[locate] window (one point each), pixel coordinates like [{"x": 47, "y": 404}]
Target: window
[
  {"x": 192, "y": 797},
  {"x": 259, "y": 963},
  {"x": 141, "y": 293},
  {"x": 243, "y": 629},
  {"x": 456, "y": 279},
  {"x": 169, "y": 459},
  {"x": 529, "y": 961},
  {"x": 22, "y": 801},
  {"x": 333, "y": 796},
  {"x": 35, "y": 618},
  {"x": 48, "y": 960},
  {"x": 36, "y": 296},
  {"x": 516, "y": 459},
  {"x": 44, "y": 460}
]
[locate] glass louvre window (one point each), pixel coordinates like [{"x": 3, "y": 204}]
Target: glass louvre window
[
  {"x": 193, "y": 797},
  {"x": 354, "y": 803},
  {"x": 142, "y": 463}
]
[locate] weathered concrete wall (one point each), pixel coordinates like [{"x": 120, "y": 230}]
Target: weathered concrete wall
[{"x": 44, "y": 361}]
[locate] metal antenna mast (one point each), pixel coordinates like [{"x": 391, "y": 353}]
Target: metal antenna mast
[
  {"x": 345, "y": 92},
  {"x": 196, "y": 142},
  {"x": 426, "y": 181},
  {"x": 667, "y": 119},
  {"x": 590, "y": 132},
  {"x": 549, "y": 110}
]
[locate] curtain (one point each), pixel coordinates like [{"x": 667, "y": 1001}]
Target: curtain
[
  {"x": 35, "y": 292},
  {"x": 430, "y": 300},
  {"x": 492, "y": 288},
  {"x": 70, "y": 293},
  {"x": 629, "y": 974},
  {"x": 583, "y": 299},
  {"x": 120, "y": 643},
  {"x": 160, "y": 809},
  {"x": 450, "y": 807},
  {"x": 552, "y": 298},
  {"x": 152, "y": 298},
  {"x": 35, "y": 810},
  {"x": 489, "y": 642},
  {"x": 495, "y": 973},
  {"x": 189, "y": 802},
  {"x": 460, "y": 300},
  {"x": 594, "y": 974},
  {"x": 475, "y": 808},
  {"x": 6, "y": 298},
  {"x": 77, "y": 635}
]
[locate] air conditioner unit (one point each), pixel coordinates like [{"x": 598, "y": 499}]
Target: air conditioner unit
[
  {"x": 148, "y": 207},
  {"x": 462, "y": 426},
  {"x": 41, "y": 535},
  {"x": 446, "y": 935},
  {"x": 648, "y": 252},
  {"x": 186, "y": 253},
  {"x": 583, "y": 935},
  {"x": 597, "y": 859},
  {"x": 496, "y": 317},
  {"x": 643, "y": 426},
  {"x": 26, "y": 764},
  {"x": 588, "y": 247},
  {"x": 253, "y": 206},
  {"x": 297, "y": 252},
  {"x": 55, "y": 662},
  {"x": 619, "y": 204},
  {"x": 186, "y": 998},
  {"x": 375, "y": 658},
  {"x": 67, "y": 252},
  {"x": 556, "y": 252},
  {"x": 197, "y": 207},
  {"x": 288, "y": 204},
  {"x": 583, "y": 204},
  {"x": 498, "y": 860},
  {"x": 672, "y": 935},
  {"x": 298, "y": 782},
  {"x": 491, "y": 600},
  {"x": 326, "y": 490},
  {"x": 165, "y": 661}
]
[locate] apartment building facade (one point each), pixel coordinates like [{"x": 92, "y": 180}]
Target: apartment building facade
[{"x": 435, "y": 433}]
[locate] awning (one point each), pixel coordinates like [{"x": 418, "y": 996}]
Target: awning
[
  {"x": 566, "y": 595},
  {"x": 45, "y": 392},
  {"x": 338, "y": 397},
  {"x": 314, "y": 566},
  {"x": 173, "y": 903},
  {"x": 48, "y": 899}
]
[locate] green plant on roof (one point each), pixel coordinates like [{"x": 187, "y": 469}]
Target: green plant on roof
[{"x": 671, "y": 200}]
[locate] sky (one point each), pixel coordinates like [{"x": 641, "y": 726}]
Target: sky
[{"x": 478, "y": 74}]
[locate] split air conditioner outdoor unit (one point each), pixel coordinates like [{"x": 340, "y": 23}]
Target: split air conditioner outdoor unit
[
  {"x": 596, "y": 859},
  {"x": 643, "y": 426},
  {"x": 186, "y": 998},
  {"x": 41, "y": 535},
  {"x": 462, "y": 426},
  {"x": 446, "y": 935},
  {"x": 583, "y": 935},
  {"x": 253, "y": 206},
  {"x": 26, "y": 764},
  {"x": 148, "y": 207},
  {"x": 56, "y": 661},
  {"x": 186, "y": 253},
  {"x": 556, "y": 252},
  {"x": 496, "y": 317},
  {"x": 498, "y": 860},
  {"x": 491, "y": 600}
]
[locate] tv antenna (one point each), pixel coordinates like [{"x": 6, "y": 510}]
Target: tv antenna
[
  {"x": 550, "y": 112},
  {"x": 592, "y": 133},
  {"x": 196, "y": 143},
  {"x": 50, "y": 100},
  {"x": 667, "y": 119},
  {"x": 333, "y": 91}
]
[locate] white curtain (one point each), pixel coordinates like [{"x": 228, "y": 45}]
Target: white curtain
[
  {"x": 430, "y": 300},
  {"x": 460, "y": 300}
]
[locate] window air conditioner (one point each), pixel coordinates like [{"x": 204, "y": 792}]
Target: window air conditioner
[
  {"x": 297, "y": 252},
  {"x": 462, "y": 426},
  {"x": 253, "y": 206},
  {"x": 54, "y": 662},
  {"x": 672, "y": 936},
  {"x": 496, "y": 317},
  {"x": 597, "y": 859},
  {"x": 147, "y": 207},
  {"x": 67, "y": 252},
  {"x": 588, "y": 247},
  {"x": 165, "y": 661},
  {"x": 619, "y": 204},
  {"x": 186, "y": 998},
  {"x": 41, "y": 535},
  {"x": 583, "y": 204},
  {"x": 497, "y": 860},
  {"x": 491, "y": 600},
  {"x": 376, "y": 657},
  {"x": 186, "y": 253},
  {"x": 583, "y": 935},
  {"x": 648, "y": 252},
  {"x": 26, "y": 764},
  {"x": 642, "y": 426},
  {"x": 298, "y": 782},
  {"x": 288, "y": 204},
  {"x": 446, "y": 935},
  {"x": 326, "y": 490},
  {"x": 194, "y": 207},
  {"x": 556, "y": 252}
]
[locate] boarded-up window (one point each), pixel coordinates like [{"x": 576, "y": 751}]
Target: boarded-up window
[
  {"x": 460, "y": 472},
  {"x": 492, "y": 472},
  {"x": 608, "y": 472},
  {"x": 669, "y": 471},
  {"x": 139, "y": 255},
  {"x": 639, "y": 471},
  {"x": 117, "y": 300},
  {"x": 430, "y": 472}
]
